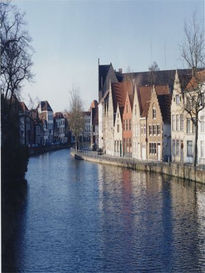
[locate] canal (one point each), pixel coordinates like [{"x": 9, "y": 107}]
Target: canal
[{"x": 83, "y": 217}]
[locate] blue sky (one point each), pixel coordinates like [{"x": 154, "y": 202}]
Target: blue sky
[{"x": 70, "y": 36}]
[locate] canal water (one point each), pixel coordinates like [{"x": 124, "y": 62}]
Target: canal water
[{"x": 83, "y": 217}]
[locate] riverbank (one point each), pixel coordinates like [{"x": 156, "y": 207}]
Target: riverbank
[
  {"x": 44, "y": 149},
  {"x": 184, "y": 171}
]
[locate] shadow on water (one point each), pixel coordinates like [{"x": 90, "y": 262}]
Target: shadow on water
[{"x": 14, "y": 197}]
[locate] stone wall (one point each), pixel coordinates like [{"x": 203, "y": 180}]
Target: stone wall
[{"x": 184, "y": 171}]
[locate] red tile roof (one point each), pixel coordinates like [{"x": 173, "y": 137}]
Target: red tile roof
[
  {"x": 119, "y": 92},
  {"x": 144, "y": 96},
  {"x": 195, "y": 80}
]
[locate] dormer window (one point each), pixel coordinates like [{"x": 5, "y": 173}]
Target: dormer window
[{"x": 154, "y": 114}]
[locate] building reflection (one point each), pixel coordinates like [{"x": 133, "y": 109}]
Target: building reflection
[{"x": 156, "y": 221}]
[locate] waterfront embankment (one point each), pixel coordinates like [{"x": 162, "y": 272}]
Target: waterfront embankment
[
  {"x": 44, "y": 149},
  {"x": 184, "y": 171}
]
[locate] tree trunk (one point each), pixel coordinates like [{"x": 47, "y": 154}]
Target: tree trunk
[{"x": 196, "y": 142}]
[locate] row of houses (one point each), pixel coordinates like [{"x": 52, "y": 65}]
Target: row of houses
[
  {"x": 142, "y": 115},
  {"x": 41, "y": 126}
]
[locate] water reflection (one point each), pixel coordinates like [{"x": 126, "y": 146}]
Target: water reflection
[{"x": 84, "y": 217}]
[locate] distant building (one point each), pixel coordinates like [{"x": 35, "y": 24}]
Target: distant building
[
  {"x": 46, "y": 115},
  {"x": 85, "y": 136},
  {"x": 59, "y": 132},
  {"x": 94, "y": 124},
  {"x": 26, "y": 130},
  {"x": 37, "y": 127}
]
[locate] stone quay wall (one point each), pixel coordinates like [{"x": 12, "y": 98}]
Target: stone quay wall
[{"x": 184, "y": 171}]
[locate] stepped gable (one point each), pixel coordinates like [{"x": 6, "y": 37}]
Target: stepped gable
[
  {"x": 144, "y": 96},
  {"x": 161, "y": 77},
  {"x": 165, "y": 104},
  {"x": 195, "y": 80},
  {"x": 45, "y": 106}
]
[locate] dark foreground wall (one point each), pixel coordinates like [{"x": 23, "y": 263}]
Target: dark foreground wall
[{"x": 183, "y": 171}]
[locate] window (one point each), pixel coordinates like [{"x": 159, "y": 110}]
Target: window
[
  {"x": 150, "y": 130},
  {"x": 173, "y": 147},
  {"x": 153, "y": 113},
  {"x": 188, "y": 125},
  {"x": 177, "y": 147},
  {"x": 189, "y": 148},
  {"x": 127, "y": 108},
  {"x": 202, "y": 124},
  {"x": 177, "y": 99},
  {"x": 173, "y": 122},
  {"x": 130, "y": 125},
  {"x": 158, "y": 129},
  {"x": 177, "y": 122},
  {"x": 152, "y": 148},
  {"x": 118, "y": 128},
  {"x": 202, "y": 148},
  {"x": 135, "y": 109},
  {"x": 181, "y": 122},
  {"x": 154, "y": 129}
]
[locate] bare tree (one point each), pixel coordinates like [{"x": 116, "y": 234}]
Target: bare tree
[
  {"x": 15, "y": 50},
  {"x": 194, "y": 102},
  {"x": 193, "y": 53},
  {"x": 153, "y": 68},
  {"x": 76, "y": 118},
  {"x": 193, "y": 46}
]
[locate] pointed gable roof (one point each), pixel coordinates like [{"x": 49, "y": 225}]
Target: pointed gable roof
[
  {"x": 119, "y": 92},
  {"x": 144, "y": 95},
  {"x": 45, "y": 106}
]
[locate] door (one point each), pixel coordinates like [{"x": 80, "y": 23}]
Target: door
[{"x": 158, "y": 151}]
